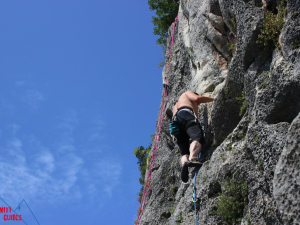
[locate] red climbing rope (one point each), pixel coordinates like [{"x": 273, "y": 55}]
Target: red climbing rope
[{"x": 156, "y": 140}]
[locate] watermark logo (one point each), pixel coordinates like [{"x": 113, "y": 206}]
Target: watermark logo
[{"x": 10, "y": 217}]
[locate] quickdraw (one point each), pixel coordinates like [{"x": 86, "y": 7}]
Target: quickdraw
[{"x": 194, "y": 195}]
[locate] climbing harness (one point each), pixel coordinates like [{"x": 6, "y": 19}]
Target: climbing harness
[
  {"x": 173, "y": 125},
  {"x": 156, "y": 140},
  {"x": 194, "y": 191}
]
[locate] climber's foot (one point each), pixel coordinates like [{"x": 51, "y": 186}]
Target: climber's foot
[
  {"x": 194, "y": 163},
  {"x": 185, "y": 173}
]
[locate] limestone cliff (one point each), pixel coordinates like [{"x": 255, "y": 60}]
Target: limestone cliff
[{"x": 215, "y": 52}]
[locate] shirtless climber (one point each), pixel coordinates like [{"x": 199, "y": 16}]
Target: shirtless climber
[{"x": 185, "y": 113}]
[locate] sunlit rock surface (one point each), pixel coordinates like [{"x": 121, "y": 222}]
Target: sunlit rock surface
[{"x": 215, "y": 52}]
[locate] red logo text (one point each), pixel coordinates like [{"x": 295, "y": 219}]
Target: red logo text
[{"x": 11, "y": 217}]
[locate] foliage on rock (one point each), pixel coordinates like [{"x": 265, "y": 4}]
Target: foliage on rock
[
  {"x": 244, "y": 103},
  {"x": 143, "y": 157},
  {"x": 230, "y": 204},
  {"x": 166, "y": 12},
  {"x": 179, "y": 219},
  {"x": 272, "y": 26}
]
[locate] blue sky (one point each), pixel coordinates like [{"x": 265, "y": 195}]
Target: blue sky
[{"x": 79, "y": 90}]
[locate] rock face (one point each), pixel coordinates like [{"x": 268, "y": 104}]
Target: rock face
[
  {"x": 287, "y": 176},
  {"x": 215, "y": 52}
]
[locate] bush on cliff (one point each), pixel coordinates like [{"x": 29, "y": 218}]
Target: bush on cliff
[
  {"x": 166, "y": 11},
  {"x": 272, "y": 26},
  {"x": 231, "y": 202},
  {"x": 143, "y": 157}
]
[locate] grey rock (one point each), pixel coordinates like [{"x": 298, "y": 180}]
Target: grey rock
[
  {"x": 287, "y": 176},
  {"x": 290, "y": 35},
  {"x": 259, "y": 145}
]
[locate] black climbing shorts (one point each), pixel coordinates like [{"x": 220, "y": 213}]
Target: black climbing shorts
[{"x": 189, "y": 128}]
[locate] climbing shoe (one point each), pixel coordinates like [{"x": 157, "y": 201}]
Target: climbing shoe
[
  {"x": 194, "y": 163},
  {"x": 185, "y": 173}
]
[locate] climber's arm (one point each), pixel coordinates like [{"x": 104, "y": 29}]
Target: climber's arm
[
  {"x": 203, "y": 99},
  {"x": 198, "y": 98}
]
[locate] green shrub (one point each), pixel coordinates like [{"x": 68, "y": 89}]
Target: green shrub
[
  {"x": 272, "y": 26},
  {"x": 294, "y": 45},
  {"x": 179, "y": 219},
  {"x": 244, "y": 103},
  {"x": 260, "y": 164},
  {"x": 173, "y": 188},
  {"x": 248, "y": 220},
  {"x": 229, "y": 147},
  {"x": 230, "y": 46},
  {"x": 142, "y": 154},
  {"x": 226, "y": 91},
  {"x": 188, "y": 53},
  {"x": 231, "y": 203},
  {"x": 242, "y": 135},
  {"x": 166, "y": 12},
  {"x": 173, "y": 165},
  {"x": 233, "y": 21},
  {"x": 144, "y": 158},
  {"x": 170, "y": 179},
  {"x": 172, "y": 210},
  {"x": 265, "y": 81},
  {"x": 223, "y": 157}
]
